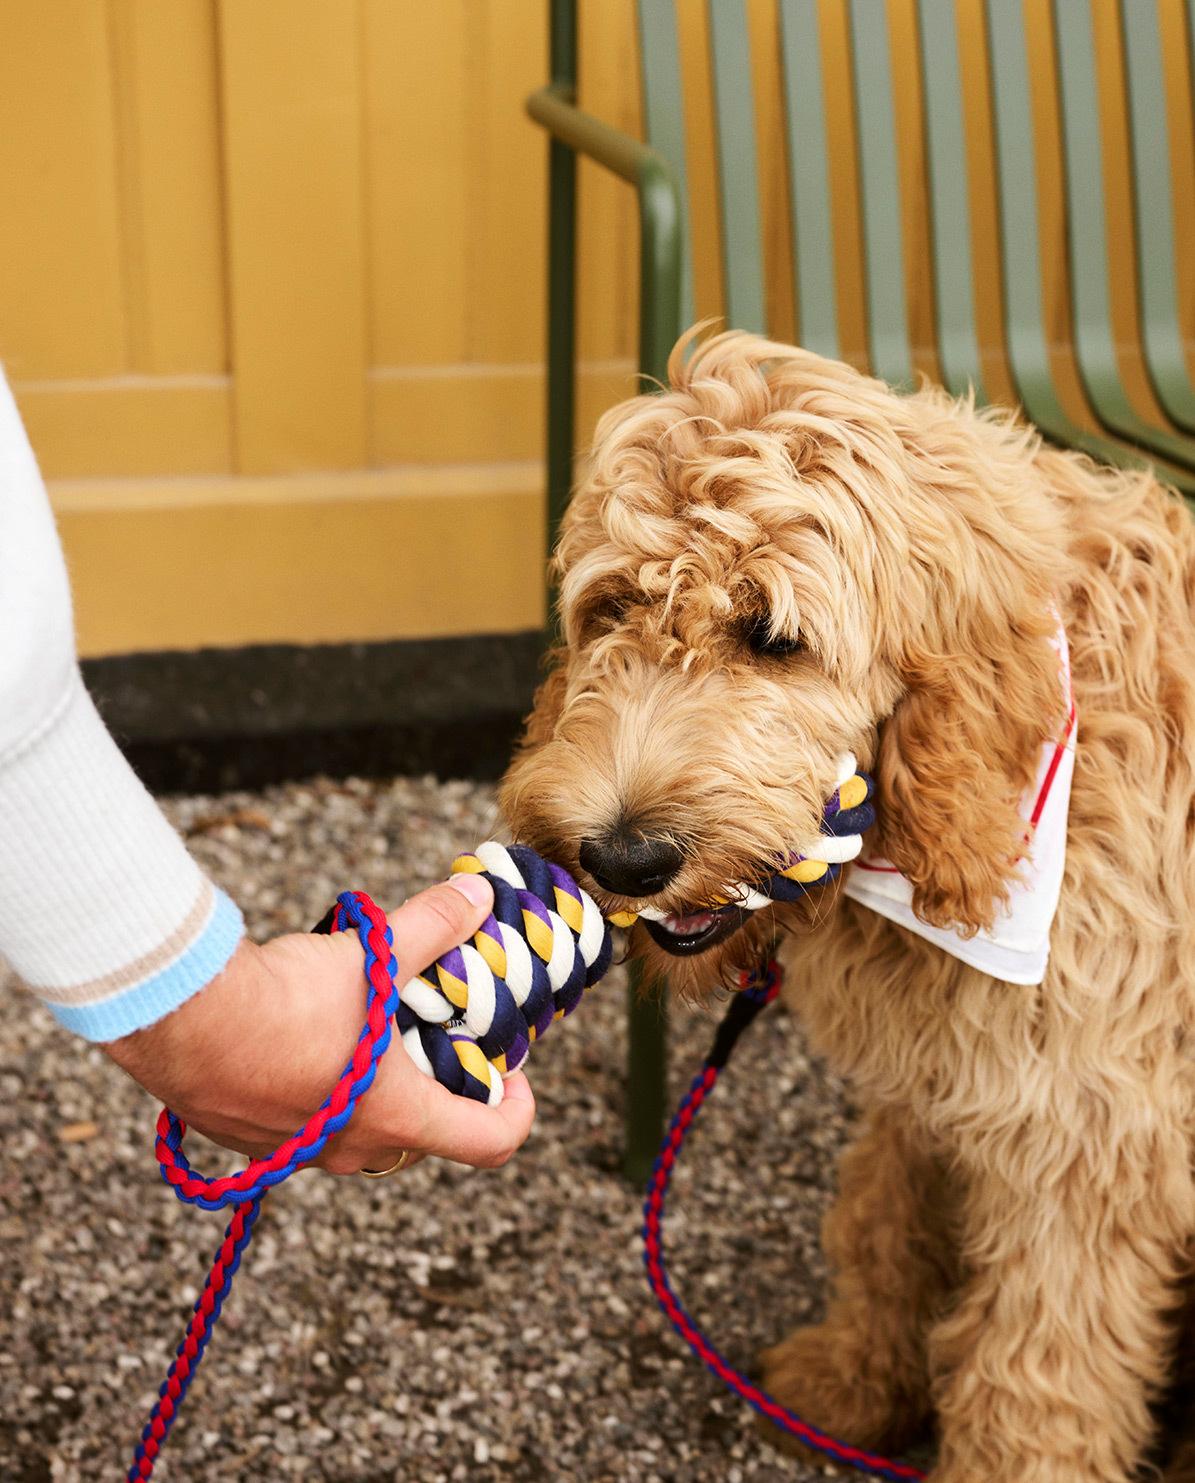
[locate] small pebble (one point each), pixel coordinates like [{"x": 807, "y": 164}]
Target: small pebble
[{"x": 77, "y": 1132}]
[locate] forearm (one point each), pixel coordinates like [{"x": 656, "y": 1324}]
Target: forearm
[
  {"x": 102, "y": 911},
  {"x": 109, "y": 920}
]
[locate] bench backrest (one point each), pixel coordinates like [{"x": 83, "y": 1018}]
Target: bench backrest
[{"x": 1087, "y": 267}]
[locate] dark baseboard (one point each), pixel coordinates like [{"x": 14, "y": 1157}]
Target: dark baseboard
[{"x": 215, "y": 719}]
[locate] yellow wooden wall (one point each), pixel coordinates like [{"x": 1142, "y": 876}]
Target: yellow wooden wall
[
  {"x": 272, "y": 285},
  {"x": 271, "y": 299}
]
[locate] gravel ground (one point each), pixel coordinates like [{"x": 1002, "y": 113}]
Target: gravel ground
[{"x": 439, "y": 1326}]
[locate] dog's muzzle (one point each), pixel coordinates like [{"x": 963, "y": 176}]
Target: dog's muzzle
[{"x": 848, "y": 814}]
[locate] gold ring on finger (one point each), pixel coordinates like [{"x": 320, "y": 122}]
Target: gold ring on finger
[{"x": 401, "y": 1162}]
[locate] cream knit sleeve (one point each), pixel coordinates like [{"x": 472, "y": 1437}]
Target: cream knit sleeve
[{"x": 103, "y": 912}]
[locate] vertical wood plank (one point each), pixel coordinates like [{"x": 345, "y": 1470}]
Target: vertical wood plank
[
  {"x": 814, "y": 269},
  {"x": 985, "y": 224},
  {"x": 909, "y": 107},
  {"x": 663, "y": 95},
  {"x": 418, "y": 185},
  {"x": 608, "y": 286},
  {"x": 843, "y": 148},
  {"x": 880, "y": 182},
  {"x": 776, "y": 226},
  {"x": 701, "y": 152},
  {"x": 293, "y": 181},
  {"x": 738, "y": 180},
  {"x": 61, "y": 302},
  {"x": 1051, "y": 197},
  {"x": 168, "y": 157},
  {"x": 508, "y": 184},
  {"x": 1150, "y": 96},
  {"x": 1112, "y": 87},
  {"x": 951, "y": 219}
]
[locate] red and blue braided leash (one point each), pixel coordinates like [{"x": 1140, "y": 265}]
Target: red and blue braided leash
[
  {"x": 244, "y": 1191},
  {"x": 756, "y": 992}
]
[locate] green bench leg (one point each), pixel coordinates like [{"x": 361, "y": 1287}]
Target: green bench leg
[
  {"x": 647, "y": 1033},
  {"x": 660, "y": 272},
  {"x": 562, "y": 282},
  {"x": 660, "y": 287}
]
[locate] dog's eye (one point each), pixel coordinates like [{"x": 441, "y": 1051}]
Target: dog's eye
[
  {"x": 760, "y": 639},
  {"x": 607, "y": 613}
]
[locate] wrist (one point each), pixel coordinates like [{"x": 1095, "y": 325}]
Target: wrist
[
  {"x": 262, "y": 1044},
  {"x": 175, "y": 1058}
]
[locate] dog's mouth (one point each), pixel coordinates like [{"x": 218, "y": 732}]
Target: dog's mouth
[
  {"x": 694, "y": 932},
  {"x": 698, "y": 928}
]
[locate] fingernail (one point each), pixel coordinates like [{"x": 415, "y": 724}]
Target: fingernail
[{"x": 472, "y": 887}]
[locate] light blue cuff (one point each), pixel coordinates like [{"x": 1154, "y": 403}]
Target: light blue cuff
[{"x": 138, "y": 1005}]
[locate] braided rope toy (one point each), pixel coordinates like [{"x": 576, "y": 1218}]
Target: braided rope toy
[
  {"x": 470, "y": 1020},
  {"x": 845, "y": 819}
]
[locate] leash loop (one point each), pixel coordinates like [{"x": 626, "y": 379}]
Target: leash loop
[{"x": 381, "y": 1002}]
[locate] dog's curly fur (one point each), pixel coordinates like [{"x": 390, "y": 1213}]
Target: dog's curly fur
[{"x": 1012, "y": 1237}]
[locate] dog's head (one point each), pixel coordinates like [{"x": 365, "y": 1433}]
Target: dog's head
[{"x": 774, "y": 562}]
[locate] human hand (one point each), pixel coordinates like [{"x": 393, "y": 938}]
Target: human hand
[{"x": 249, "y": 1058}]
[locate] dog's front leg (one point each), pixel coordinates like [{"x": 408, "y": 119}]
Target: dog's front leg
[
  {"x": 862, "y": 1373},
  {"x": 1062, "y": 1334}
]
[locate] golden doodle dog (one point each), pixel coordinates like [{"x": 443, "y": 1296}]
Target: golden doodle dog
[{"x": 777, "y": 561}]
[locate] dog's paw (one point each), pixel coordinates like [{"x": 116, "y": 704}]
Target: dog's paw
[{"x": 829, "y": 1376}]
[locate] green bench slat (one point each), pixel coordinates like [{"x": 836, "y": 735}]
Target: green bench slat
[
  {"x": 664, "y": 116},
  {"x": 738, "y": 187},
  {"x": 815, "y": 269},
  {"x": 1095, "y": 347},
  {"x": 879, "y": 185},
  {"x": 1153, "y": 215},
  {"x": 949, "y": 201},
  {"x": 1020, "y": 244},
  {"x": 814, "y": 276}
]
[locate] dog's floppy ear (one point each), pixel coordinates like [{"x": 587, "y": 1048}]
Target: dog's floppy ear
[{"x": 956, "y": 757}]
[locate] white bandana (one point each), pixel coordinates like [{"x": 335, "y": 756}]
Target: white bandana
[{"x": 1017, "y": 947}]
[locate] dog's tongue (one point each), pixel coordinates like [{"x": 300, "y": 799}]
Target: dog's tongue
[{"x": 686, "y": 926}]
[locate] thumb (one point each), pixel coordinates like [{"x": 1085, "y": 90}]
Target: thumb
[{"x": 439, "y": 918}]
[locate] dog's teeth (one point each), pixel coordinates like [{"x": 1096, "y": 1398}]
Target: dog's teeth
[{"x": 688, "y": 926}]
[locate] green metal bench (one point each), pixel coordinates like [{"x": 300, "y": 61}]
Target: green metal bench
[{"x": 657, "y": 170}]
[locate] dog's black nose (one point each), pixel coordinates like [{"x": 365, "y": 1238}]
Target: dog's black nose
[{"x": 630, "y": 863}]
